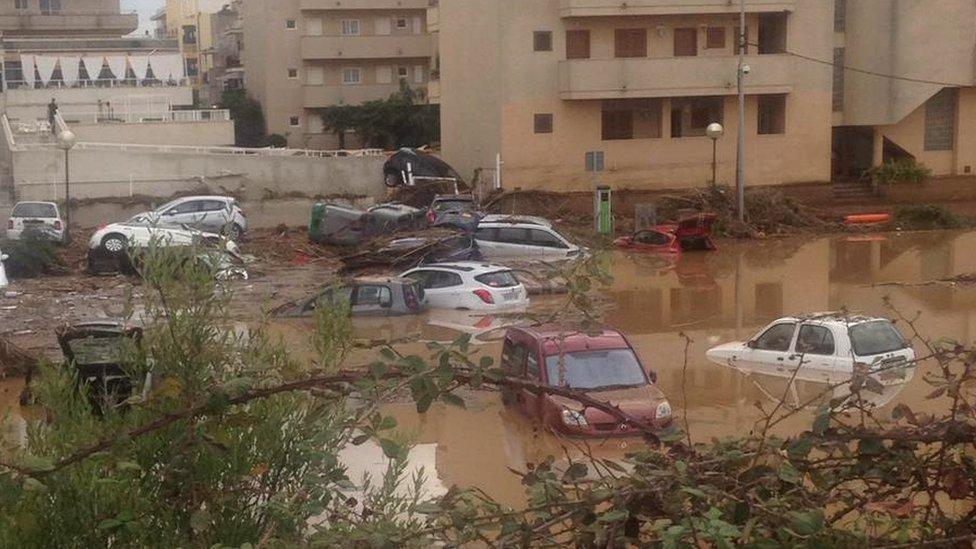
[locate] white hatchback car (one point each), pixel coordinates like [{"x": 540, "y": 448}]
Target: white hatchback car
[
  {"x": 41, "y": 217},
  {"x": 831, "y": 346},
  {"x": 115, "y": 238},
  {"x": 469, "y": 285},
  {"x": 522, "y": 236},
  {"x": 217, "y": 214}
]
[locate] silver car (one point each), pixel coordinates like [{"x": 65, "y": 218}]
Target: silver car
[{"x": 215, "y": 214}]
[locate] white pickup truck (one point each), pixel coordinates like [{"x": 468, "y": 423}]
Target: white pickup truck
[{"x": 830, "y": 345}]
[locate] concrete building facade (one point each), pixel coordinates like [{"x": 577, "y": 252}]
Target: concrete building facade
[
  {"x": 544, "y": 82},
  {"x": 304, "y": 55},
  {"x": 32, "y": 18}
]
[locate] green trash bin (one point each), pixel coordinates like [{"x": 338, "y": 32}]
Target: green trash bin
[
  {"x": 315, "y": 223},
  {"x": 604, "y": 211}
]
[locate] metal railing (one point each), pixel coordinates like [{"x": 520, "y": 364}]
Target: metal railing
[
  {"x": 96, "y": 83},
  {"x": 145, "y": 117}
]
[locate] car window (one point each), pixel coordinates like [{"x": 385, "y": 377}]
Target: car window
[
  {"x": 455, "y": 205},
  {"x": 188, "y": 207},
  {"x": 513, "y": 358},
  {"x": 34, "y": 210},
  {"x": 539, "y": 237},
  {"x": 875, "y": 337},
  {"x": 815, "y": 340},
  {"x": 372, "y": 295},
  {"x": 531, "y": 366},
  {"x": 213, "y": 206},
  {"x": 777, "y": 338},
  {"x": 512, "y": 235},
  {"x": 499, "y": 279},
  {"x": 653, "y": 238},
  {"x": 487, "y": 233},
  {"x": 595, "y": 369},
  {"x": 433, "y": 280}
]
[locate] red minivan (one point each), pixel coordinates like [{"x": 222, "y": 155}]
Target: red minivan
[{"x": 599, "y": 362}]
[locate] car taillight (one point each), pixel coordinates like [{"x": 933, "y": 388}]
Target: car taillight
[
  {"x": 411, "y": 298},
  {"x": 485, "y": 296},
  {"x": 431, "y": 217},
  {"x": 10, "y": 224},
  {"x": 57, "y": 225}
]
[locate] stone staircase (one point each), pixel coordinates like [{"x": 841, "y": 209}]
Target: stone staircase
[{"x": 854, "y": 191}]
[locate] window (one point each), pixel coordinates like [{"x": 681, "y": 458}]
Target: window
[
  {"x": 545, "y": 239},
  {"x": 313, "y": 26},
  {"x": 875, "y": 337},
  {"x": 577, "y": 44},
  {"x": 49, "y": 7},
  {"x": 543, "y": 123},
  {"x": 631, "y": 119},
  {"x": 316, "y": 124},
  {"x": 772, "y": 33},
  {"x": 349, "y": 27},
  {"x": 531, "y": 366},
  {"x": 36, "y": 209},
  {"x": 772, "y": 114},
  {"x": 630, "y": 42},
  {"x": 685, "y": 42},
  {"x": 402, "y": 73},
  {"x": 292, "y": 73},
  {"x": 315, "y": 76},
  {"x": 498, "y": 279},
  {"x": 384, "y": 74},
  {"x": 294, "y": 121},
  {"x": 691, "y": 115},
  {"x": 373, "y": 295},
  {"x": 840, "y": 15},
  {"x": 189, "y": 34},
  {"x": 192, "y": 206},
  {"x": 513, "y": 358},
  {"x": 715, "y": 38},
  {"x": 815, "y": 340},
  {"x": 352, "y": 76},
  {"x": 291, "y": 24},
  {"x": 591, "y": 370},
  {"x": 777, "y": 338},
  {"x": 652, "y": 238},
  {"x": 735, "y": 40},
  {"x": 542, "y": 41},
  {"x": 192, "y": 69},
  {"x": 212, "y": 206},
  {"x": 838, "y": 97},
  {"x": 418, "y": 74},
  {"x": 21, "y": 4},
  {"x": 940, "y": 120},
  {"x": 401, "y": 23}
]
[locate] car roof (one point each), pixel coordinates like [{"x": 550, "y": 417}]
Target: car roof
[
  {"x": 466, "y": 266},
  {"x": 516, "y": 220},
  {"x": 204, "y": 197},
  {"x": 454, "y": 197},
  {"x": 379, "y": 280},
  {"x": 832, "y": 318},
  {"x": 561, "y": 338},
  {"x": 35, "y": 202}
]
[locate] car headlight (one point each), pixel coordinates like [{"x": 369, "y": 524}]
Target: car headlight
[
  {"x": 663, "y": 410},
  {"x": 572, "y": 418}
]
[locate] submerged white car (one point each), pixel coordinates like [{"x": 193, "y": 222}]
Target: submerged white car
[
  {"x": 469, "y": 285},
  {"x": 522, "y": 236},
  {"x": 113, "y": 239},
  {"x": 831, "y": 346}
]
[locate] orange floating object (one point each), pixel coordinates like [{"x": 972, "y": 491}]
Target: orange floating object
[{"x": 867, "y": 218}]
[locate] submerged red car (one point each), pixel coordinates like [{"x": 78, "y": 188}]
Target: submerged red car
[
  {"x": 691, "y": 233},
  {"x": 600, "y": 363}
]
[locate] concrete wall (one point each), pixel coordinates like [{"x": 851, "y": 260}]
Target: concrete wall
[
  {"x": 25, "y": 104},
  {"x": 39, "y": 175},
  {"x": 210, "y": 133},
  {"x": 489, "y": 106}
]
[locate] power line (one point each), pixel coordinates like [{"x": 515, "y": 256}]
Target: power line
[{"x": 871, "y": 73}]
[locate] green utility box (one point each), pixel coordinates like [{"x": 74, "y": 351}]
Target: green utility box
[{"x": 603, "y": 201}]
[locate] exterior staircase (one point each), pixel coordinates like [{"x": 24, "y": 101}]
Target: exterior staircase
[{"x": 854, "y": 191}]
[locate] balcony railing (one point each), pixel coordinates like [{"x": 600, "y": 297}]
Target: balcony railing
[
  {"x": 81, "y": 22},
  {"x": 365, "y": 47},
  {"x": 317, "y": 97},
  {"x": 147, "y": 117},
  {"x": 364, "y": 4},
  {"x": 97, "y": 83},
  {"x": 601, "y": 8},
  {"x": 672, "y": 77}
]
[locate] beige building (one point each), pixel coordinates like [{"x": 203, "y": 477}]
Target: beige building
[
  {"x": 541, "y": 83},
  {"x": 305, "y": 55},
  {"x": 32, "y": 18},
  {"x": 191, "y": 23}
]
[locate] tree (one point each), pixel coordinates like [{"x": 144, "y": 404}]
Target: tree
[
  {"x": 249, "y": 125},
  {"x": 391, "y": 123}
]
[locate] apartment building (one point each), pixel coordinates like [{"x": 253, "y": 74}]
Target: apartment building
[
  {"x": 542, "y": 83},
  {"x": 33, "y": 18},
  {"x": 190, "y": 22},
  {"x": 221, "y": 61},
  {"x": 305, "y": 55}
]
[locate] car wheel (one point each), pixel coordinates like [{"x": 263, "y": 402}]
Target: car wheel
[
  {"x": 114, "y": 244},
  {"x": 392, "y": 180},
  {"x": 234, "y": 232}
]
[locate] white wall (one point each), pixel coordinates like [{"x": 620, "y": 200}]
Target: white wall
[{"x": 209, "y": 133}]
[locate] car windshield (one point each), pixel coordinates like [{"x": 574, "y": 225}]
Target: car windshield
[
  {"x": 168, "y": 205},
  {"x": 97, "y": 350},
  {"x": 875, "y": 337},
  {"x": 595, "y": 370},
  {"x": 34, "y": 209},
  {"x": 498, "y": 279},
  {"x": 452, "y": 205}
]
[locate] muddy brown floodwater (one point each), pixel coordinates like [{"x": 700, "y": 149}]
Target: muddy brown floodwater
[{"x": 711, "y": 298}]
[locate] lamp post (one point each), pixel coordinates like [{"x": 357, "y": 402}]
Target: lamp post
[
  {"x": 714, "y": 131},
  {"x": 740, "y": 173},
  {"x": 67, "y": 140}
]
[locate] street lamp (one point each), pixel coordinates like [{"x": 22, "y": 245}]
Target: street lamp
[
  {"x": 714, "y": 131},
  {"x": 67, "y": 140}
]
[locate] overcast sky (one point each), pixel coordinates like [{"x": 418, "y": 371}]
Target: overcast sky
[{"x": 146, "y": 9}]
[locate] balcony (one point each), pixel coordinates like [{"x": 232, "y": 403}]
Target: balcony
[
  {"x": 598, "y": 8},
  {"x": 318, "y": 97},
  {"x": 365, "y": 47},
  {"x": 364, "y": 4},
  {"x": 80, "y": 23},
  {"x": 671, "y": 77}
]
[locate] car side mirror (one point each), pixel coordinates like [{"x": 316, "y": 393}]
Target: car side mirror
[
  {"x": 752, "y": 344},
  {"x": 653, "y": 376}
]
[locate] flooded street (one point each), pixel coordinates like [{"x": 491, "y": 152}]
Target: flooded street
[{"x": 711, "y": 298}]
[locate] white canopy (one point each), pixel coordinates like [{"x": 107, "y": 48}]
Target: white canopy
[
  {"x": 70, "y": 70},
  {"x": 93, "y": 64},
  {"x": 139, "y": 64},
  {"x": 117, "y": 63},
  {"x": 45, "y": 67},
  {"x": 167, "y": 67},
  {"x": 27, "y": 67}
]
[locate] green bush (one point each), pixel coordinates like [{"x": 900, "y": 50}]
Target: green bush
[
  {"x": 900, "y": 171},
  {"x": 927, "y": 216},
  {"x": 30, "y": 257}
]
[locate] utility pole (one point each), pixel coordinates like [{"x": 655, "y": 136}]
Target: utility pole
[{"x": 740, "y": 181}]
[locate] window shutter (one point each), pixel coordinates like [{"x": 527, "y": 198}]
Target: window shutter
[
  {"x": 314, "y": 76},
  {"x": 313, "y": 26},
  {"x": 577, "y": 44},
  {"x": 384, "y": 75},
  {"x": 383, "y": 26}
]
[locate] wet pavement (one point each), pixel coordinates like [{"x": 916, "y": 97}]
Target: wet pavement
[{"x": 711, "y": 298}]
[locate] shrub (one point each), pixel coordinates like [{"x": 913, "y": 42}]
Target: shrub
[
  {"x": 30, "y": 257},
  {"x": 927, "y": 216},
  {"x": 899, "y": 171}
]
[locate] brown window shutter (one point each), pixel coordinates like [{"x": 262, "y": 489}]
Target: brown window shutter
[
  {"x": 577, "y": 44},
  {"x": 685, "y": 42},
  {"x": 715, "y": 38},
  {"x": 630, "y": 42}
]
